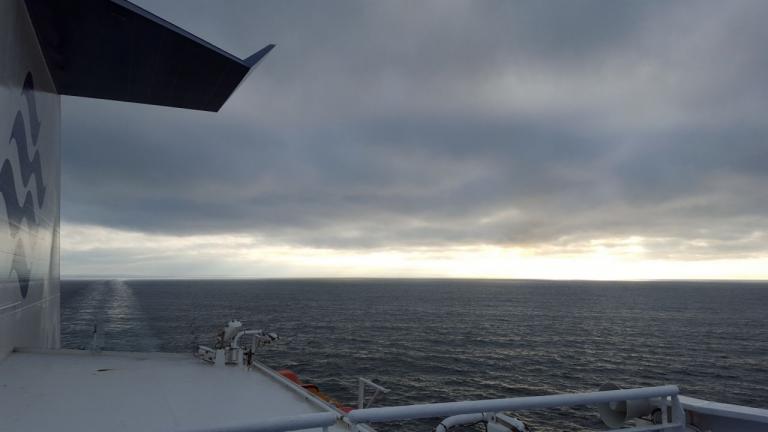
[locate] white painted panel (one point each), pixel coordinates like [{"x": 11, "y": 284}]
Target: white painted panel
[{"x": 29, "y": 188}]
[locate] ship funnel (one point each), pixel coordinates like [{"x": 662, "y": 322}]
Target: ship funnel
[{"x": 615, "y": 414}]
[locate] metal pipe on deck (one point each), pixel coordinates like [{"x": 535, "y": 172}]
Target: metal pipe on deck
[{"x": 460, "y": 420}]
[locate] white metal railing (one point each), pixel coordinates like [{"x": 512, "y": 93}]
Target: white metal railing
[
  {"x": 362, "y": 384},
  {"x": 411, "y": 412}
]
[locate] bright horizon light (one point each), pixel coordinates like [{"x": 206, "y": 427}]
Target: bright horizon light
[{"x": 135, "y": 254}]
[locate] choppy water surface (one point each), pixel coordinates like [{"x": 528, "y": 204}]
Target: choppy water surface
[{"x": 443, "y": 340}]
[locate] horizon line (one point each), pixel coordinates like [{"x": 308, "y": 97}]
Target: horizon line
[{"x": 222, "y": 277}]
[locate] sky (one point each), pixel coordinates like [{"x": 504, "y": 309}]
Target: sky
[{"x": 479, "y": 139}]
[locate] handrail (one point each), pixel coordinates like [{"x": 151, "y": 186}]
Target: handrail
[{"x": 410, "y": 412}]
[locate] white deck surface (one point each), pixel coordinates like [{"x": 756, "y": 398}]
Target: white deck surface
[{"x": 65, "y": 390}]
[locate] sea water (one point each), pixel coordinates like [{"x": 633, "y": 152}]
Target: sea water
[{"x": 445, "y": 340}]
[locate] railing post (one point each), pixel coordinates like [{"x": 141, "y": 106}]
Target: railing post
[
  {"x": 362, "y": 383},
  {"x": 678, "y": 414}
]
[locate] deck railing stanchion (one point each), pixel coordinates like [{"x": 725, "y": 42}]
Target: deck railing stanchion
[{"x": 678, "y": 414}]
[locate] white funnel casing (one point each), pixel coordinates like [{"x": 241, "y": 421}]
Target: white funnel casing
[{"x": 615, "y": 414}]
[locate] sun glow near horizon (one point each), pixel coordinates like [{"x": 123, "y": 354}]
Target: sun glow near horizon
[{"x": 98, "y": 251}]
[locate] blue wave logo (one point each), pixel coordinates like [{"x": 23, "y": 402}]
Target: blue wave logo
[{"x": 18, "y": 211}]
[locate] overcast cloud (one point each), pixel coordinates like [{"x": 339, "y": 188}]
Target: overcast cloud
[{"x": 400, "y": 124}]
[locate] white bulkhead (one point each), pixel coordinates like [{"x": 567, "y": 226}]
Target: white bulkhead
[{"x": 29, "y": 188}]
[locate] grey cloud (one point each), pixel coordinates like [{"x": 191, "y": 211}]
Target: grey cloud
[{"x": 398, "y": 123}]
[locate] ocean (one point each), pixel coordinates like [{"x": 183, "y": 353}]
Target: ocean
[{"x": 445, "y": 340}]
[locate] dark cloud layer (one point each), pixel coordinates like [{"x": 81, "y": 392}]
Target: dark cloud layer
[{"x": 425, "y": 123}]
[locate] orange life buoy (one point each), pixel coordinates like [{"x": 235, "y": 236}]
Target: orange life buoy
[
  {"x": 312, "y": 387},
  {"x": 291, "y": 375}
]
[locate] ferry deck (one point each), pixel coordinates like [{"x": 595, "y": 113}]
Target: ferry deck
[{"x": 126, "y": 392}]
